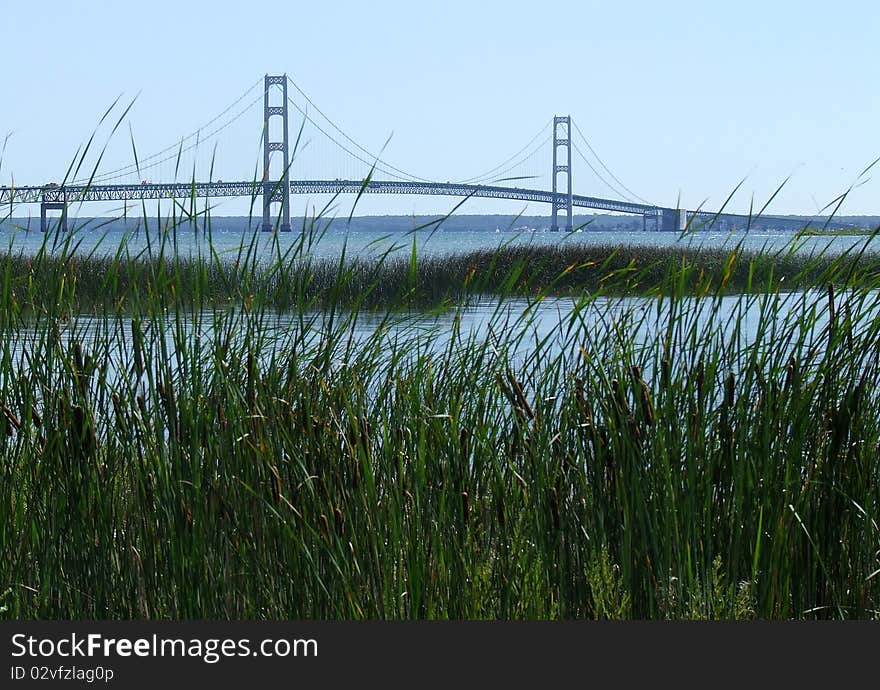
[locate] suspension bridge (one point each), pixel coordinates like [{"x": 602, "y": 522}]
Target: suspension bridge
[{"x": 275, "y": 184}]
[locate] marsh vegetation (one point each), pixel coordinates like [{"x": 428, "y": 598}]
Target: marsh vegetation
[{"x": 182, "y": 459}]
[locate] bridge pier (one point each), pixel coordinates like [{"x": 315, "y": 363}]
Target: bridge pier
[
  {"x": 53, "y": 206},
  {"x": 670, "y": 220},
  {"x": 278, "y": 190},
  {"x": 651, "y": 220}
]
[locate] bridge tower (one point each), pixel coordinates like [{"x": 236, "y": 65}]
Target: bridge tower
[
  {"x": 561, "y": 137},
  {"x": 277, "y": 190}
]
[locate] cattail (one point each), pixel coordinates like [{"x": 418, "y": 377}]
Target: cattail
[
  {"x": 78, "y": 357},
  {"x": 171, "y": 401},
  {"x": 619, "y": 399},
  {"x": 83, "y": 430},
  {"x": 276, "y": 484},
  {"x": 855, "y": 397},
  {"x": 511, "y": 398},
  {"x": 35, "y": 416},
  {"x": 604, "y": 439},
  {"x": 556, "y": 447},
  {"x": 118, "y": 411},
  {"x": 11, "y": 418},
  {"x": 729, "y": 389},
  {"x": 366, "y": 431},
  {"x": 645, "y": 403},
  {"x": 695, "y": 423},
  {"x": 63, "y": 412},
  {"x": 339, "y": 521},
  {"x": 466, "y": 506},
  {"x": 791, "y": 373},
  {"x": 554, "y": 507},
  {"x": 137, "y": 346},
  {"x": 187, "y": 514},
  {"x": 166, "y": 396},
  {"x": 832, "y": 314},
  {"x": 325, "y": 526},
  {"x": 634, "y": 430},
  {"x": 581, "y": 400},
  {"x": 149, "y": 488},
  {"x": 665, "y": 371},
  {"x": 520, "y": 396}
]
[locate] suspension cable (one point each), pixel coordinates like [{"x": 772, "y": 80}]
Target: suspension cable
[
  {"x": 384, "y": 167},
  {"x": 198, "y": 142},
  {"x": 134, "y": 167},
  {"x": 491, "y": 172},
  {"x": 403, "y": 174},
  {"x": 602, "y": 163},
  {"x": 497, "y": 177},
  {"x": 599, "y": 175}
]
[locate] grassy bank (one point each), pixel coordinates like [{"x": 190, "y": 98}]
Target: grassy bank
[{"x": 169, "y": 460}]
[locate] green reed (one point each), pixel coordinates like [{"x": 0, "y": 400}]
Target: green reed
[
  {"x": 294, "y": 277},
  {"x": 227, "y": 438}
]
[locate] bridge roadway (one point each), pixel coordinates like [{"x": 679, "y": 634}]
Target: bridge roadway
[
  {"x": 54, "y": 196},
  {"x": 183, "y": 190}
]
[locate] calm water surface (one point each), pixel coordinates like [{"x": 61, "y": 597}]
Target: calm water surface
[
  {"x": 232, "y": 241},
  {"x": 526, "y": 323}
]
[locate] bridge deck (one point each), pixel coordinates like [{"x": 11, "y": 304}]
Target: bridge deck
[{"x": 183, "y": 190}]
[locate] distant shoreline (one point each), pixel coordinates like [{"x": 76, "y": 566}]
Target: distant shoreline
[
  {"x": 835, "y": 232},
  {"x": 455, "y": 223}
]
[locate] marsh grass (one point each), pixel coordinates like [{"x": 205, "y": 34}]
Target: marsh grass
[
  {"x": 184, "y": 458},
  {"x": 291, "y": 278}
]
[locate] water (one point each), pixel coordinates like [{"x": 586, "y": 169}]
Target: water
[
  {"x": 228, "y": 240},
  {"x": 522, "y": 323},
  {"x": 519, "y": 328}
]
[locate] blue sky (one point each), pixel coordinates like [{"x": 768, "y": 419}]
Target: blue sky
[{"x": 682, "y": 100}]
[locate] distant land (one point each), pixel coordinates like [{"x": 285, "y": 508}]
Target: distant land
[{"x": 454, "y": 223}]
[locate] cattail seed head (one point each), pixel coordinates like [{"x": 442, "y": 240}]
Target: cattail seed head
[
  {"x": 729, "y": 390},
  {"x": 339, "y": 521}
]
